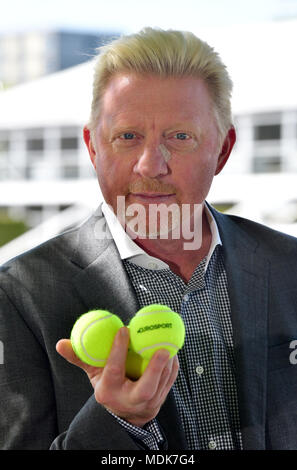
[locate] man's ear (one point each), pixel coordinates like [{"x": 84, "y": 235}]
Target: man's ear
[
  {"x": 226, "y": 149},
  {"x": 90, "y": 146}
]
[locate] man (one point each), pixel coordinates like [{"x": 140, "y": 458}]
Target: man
[{"x": 160, "y": 130}]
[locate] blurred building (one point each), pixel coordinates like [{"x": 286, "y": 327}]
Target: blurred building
[
  {"x": 29, "y": 55},
  {"x": 45, "y": 167}
]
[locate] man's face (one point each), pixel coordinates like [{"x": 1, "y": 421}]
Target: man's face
[{"x": 156, "y": 141}]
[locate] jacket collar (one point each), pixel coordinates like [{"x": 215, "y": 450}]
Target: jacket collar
[{"x": 102, "y": 282}]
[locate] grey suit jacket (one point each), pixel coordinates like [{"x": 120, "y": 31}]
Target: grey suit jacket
[{"x": 45, "y": 402}]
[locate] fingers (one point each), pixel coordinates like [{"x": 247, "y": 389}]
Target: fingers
[
  {"x": 165, "y": 377},
  {"x": 115, "y": 364},
  {"x": 148, "y": 384},
  {"x": 115, "y": 368},
  {"x": 64, "y": 348},
  {"x": 168, "y": 379},
  {"x": 110, "y": 390}
]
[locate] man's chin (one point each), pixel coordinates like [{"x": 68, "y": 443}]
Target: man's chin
[
  {"x": 157, "y": 221},
  {"x": 145, "y": 231}
]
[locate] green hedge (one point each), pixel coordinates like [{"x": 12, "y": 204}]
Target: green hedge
[{"x": 10, "y": 229}]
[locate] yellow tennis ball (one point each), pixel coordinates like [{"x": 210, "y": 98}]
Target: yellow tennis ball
[
  {"x": 92, "y": 336},
  {"x": 156, "y": 327},
  {"x": 135, "y": 365}
]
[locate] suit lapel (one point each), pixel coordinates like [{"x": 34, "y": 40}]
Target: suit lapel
[
  {"x": 102, "y": 282},
  {"x": 247, "y": 274}
]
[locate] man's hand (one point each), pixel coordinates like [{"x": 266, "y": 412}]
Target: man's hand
[{"x": 138, "y": 402}]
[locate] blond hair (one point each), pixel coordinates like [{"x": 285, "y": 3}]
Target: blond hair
[{"x": 165, "y": 54}]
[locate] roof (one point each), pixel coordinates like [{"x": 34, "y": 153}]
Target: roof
[
  {"x": 61, "y": 98},
  {"x": 260, "y": 59}
]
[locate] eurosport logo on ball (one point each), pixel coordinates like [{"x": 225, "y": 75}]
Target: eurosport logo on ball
[{"x": 156, "y": 326}]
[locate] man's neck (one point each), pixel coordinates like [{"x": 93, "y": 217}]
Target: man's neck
[{"x": 182, "y": 262}]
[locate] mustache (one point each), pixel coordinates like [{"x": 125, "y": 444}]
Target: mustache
[{"x": 150, "y": 185}]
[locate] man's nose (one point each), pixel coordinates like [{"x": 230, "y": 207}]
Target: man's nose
[{"x": 151, "y": 163}]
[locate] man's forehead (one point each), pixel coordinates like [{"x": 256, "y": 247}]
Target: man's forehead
[
  {"x": 129, "y": 82},
  {"x": 122, "y": 83},
  {"x": 118, "y": 83},
  {"x": 124, "y": 80},
  {"x": 131, "y": 93}
]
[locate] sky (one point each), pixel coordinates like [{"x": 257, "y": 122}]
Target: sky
[{"x": 131, "y": 15}]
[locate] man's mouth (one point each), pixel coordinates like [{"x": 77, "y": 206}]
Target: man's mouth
[{"x": 152, "y": 196}]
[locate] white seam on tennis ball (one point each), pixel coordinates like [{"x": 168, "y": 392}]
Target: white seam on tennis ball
[
  {"x": 142, "y": 314},
  {"x": 81, "y": 339},
  {"x": 157, "y": 345}
]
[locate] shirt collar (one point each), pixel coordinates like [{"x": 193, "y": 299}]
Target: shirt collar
[{"x": 129, "y": 250}]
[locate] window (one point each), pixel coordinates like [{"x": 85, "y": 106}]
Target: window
[
  {"x": 69, "y": 143},
  {"x": 35, "y": 144},
  {"x": 267, "y": 132},
  {"x": 266, "y": 165},
  {"x": 4, "y": 142},
  {"x": 4, "y": 145},
  {"x": 69, "y": 172}
]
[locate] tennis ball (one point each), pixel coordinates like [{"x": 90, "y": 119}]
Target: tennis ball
[
  {"x": 92, "y": 336},
  {"x": 155, "y": 327},
  {"x": 135, "y": 365}
]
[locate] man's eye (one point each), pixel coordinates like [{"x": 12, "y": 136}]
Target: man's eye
[
  {"x": 181, "y": 136},
  {"x": 127, "y": 136}
]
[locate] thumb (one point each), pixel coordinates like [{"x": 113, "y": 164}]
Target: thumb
[{"x": 64, "y": 348}]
